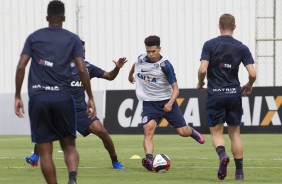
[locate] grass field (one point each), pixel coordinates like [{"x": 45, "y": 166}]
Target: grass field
[{"x": 191, "y": 162}]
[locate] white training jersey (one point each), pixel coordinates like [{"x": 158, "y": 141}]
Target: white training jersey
[{"x": 153, "y": 79}]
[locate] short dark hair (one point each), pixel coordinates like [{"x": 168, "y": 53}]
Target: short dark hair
[
  {"x": 152, "y": 41},
  {"x": 83, "y": 42},
  {"x": 55, "y": 7}
]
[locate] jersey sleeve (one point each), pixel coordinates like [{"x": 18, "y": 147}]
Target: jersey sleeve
[
  {"x": 168, "y": 70},
  {"x": 247, "y": 56},
  {"x": 78, "y": 50},
  {"x": 206, "y": 51},
  {"x": 94, "y": 71},
  {"x": 27, "y": 47}
]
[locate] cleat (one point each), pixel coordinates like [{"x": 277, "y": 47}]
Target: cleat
[
  {"x": 118, "y": 166},
  {"x": 147, "y": 163},
  {"x": 222, "y": 170},
  {"x": 239, "y": 175},
  {"x": 197, "y": 136},
  {"x": 32, "y": 160},
  {"x": 72, "y": 182}
]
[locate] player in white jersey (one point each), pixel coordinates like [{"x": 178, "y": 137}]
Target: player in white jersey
[{"x": 156, "y": 87}]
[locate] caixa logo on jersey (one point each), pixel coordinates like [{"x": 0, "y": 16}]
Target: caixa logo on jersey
[
  {"x": 76, "y": 84},
  {"x": 262, "y": 112},
  {"x": 146, "y": 78}
]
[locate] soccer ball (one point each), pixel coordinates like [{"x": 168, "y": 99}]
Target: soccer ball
[{"x": 161, "y": 163}]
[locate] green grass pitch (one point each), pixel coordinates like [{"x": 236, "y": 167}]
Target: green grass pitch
[{"x": 191, "y": 162}]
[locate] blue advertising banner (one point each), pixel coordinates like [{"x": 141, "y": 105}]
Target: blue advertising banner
[{"x": 261, "y": 111}]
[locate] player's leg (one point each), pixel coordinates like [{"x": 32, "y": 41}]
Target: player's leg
[
  {"x": 33, "y": 159},
  {"x": 64, "y": 123},
  {"x": 233, "y": 119},
  {"x": 98, "y": 129},
  {"x": 187, "y": 131},
  {"x": 219, "y": 145},
  {"x": 216, "y": 115},
  {"x": 176, "y": 119},
  {"x": 42, "y": 134},
  {"x": 149, "y": 130},
  {"x": 71, "y": 156},
  {"x": 152, "y": 113},
  {"x": 46, "y": 162},
  {"x": 237, "y": 150}
]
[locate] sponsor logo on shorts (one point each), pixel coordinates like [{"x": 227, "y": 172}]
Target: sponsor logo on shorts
[{"x": 225, "y": 90}]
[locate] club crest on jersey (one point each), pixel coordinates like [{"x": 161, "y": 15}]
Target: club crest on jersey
[
  {"x": 146, "y": 78},
  {"x": 156, "y": 65}
]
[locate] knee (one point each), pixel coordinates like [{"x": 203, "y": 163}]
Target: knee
[
  {"x": 102, "y": 133},
  {"x": 183, "y": 132}
]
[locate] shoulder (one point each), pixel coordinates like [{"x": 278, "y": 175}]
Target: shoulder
[
  {"x": 213, "y": 40},
  {"x": 37, "y": 33},
  {"x": 89, "y": 65},
  {"x": 68, "y": 32},
  {"x": 72, "y": 36},
  {"x": 166, "y": 65},
  {"x": 210, "y": 43},
  {"x": 141, "y": 57},
  {"x": 243, "y": 46},
  {"x": 92, "y": 67}
]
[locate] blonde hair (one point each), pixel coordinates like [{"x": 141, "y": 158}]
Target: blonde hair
[{"x": 227, "y": 22}]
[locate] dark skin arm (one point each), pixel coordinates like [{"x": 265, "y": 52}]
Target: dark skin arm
[
  {"x": 112, "y": 74},
  {"x": 84, "y": 77},
  {"x": 131, "y": 78},
  {"x": 20, "y": 73}
]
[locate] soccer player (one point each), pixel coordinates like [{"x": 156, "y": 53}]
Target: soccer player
[
  {"x": 51, "y": 105},
  {"x": 86, "y": 125},
  {"x": 156, "y": 87},
  {"x": 220, "y": 61}
]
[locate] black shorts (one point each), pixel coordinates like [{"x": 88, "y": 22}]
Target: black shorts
[
  {"x": 83, "y": 122},
  {"x": 52, "y": 116},
  {"x": 154, "y": 110},
  {"x": 224, "y": 109}
]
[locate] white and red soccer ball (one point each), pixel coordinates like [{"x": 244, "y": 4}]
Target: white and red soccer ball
[{"x": 161, "y": 163}]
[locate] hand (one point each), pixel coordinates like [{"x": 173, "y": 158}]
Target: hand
[
  {"x": 19, "y": 107},
  {"x": 200, "y": 85},
  {"x": 131, "y": 79},
  {"x": 246, "y": 90},
  {"x": 167, "y": 107},
  {"x": 91, "y": 109},
  {"x": 120, "y": 62}
]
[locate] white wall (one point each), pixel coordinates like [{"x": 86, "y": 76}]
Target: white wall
[{"x": 115, "y": 28}]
